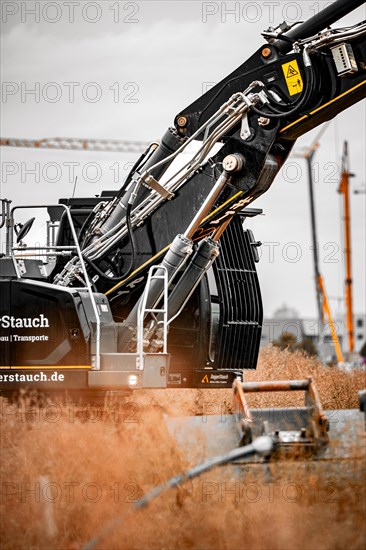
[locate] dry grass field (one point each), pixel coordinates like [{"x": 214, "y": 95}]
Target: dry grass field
[{"x": 65, "y": 474}]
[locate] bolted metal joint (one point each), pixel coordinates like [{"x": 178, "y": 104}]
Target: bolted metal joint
[
  {"x": 233, "y": 163},
  {"x": 263, "y": 121},
  {"x": 182, "y": 121}
]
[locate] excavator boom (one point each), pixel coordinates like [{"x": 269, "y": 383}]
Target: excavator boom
[{"x": 165, "y": 258}]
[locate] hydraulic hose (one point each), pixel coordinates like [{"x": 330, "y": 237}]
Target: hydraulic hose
[
  {"x": 316, "y": 23},
  {"x": 133, "y": 254},
  {"x": 262, "y": 446},
  {"x": 294, "y": 110}
]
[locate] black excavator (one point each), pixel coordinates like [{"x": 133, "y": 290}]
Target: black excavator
[{"x": 154, "y": 285}]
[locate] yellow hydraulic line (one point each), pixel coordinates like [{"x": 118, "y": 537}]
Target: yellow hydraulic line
[
  {"x": 150, "y": 260},
  {"x": 327, "y": 310},
  {"x": 344, "y": 190}
]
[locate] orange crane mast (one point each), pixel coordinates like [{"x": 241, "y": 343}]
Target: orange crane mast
[{"x": 344, "y": 190}]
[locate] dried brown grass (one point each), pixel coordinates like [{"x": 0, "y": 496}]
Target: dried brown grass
[
  {"x": 337, "y": 389},
  {"x": 113, "y": 459}
]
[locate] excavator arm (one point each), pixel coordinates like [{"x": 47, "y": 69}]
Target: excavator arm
[
  {"x": 302, "y": 76},
  {"x": 184, "y": 211}
]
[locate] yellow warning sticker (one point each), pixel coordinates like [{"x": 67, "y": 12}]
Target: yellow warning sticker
[{"x": 293, "y": 77}]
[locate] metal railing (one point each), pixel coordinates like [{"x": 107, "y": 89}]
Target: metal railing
[
  {"x": 57, "y": 250},
  {"x": 143, "y": 310}
]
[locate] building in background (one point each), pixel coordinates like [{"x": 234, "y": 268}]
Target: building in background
[{"x": 287, "y": 320}]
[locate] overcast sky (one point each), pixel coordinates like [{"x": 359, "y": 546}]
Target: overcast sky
[{"x": 123, "y": 70}]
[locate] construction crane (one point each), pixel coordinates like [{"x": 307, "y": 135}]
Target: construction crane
[
  {"x": 344, "y": 189},
  {"x": 321, "y": 294},
  {"x": 78, "y": 144}
]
